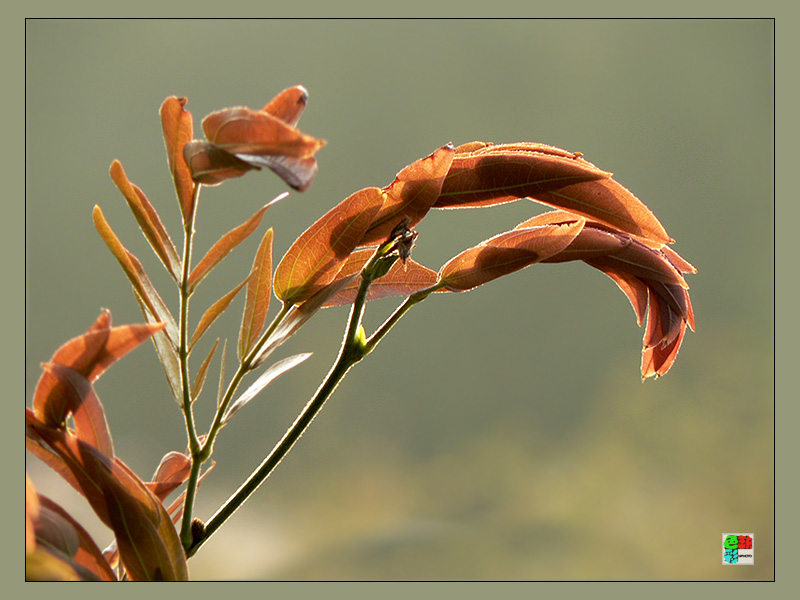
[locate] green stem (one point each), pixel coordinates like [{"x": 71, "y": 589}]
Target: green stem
[
  {"x": 392, "y": 319},
  {"x": 352, "y": 351},
  {"x": 183, "y": 353},
  {"x": 244, "y": 368}
]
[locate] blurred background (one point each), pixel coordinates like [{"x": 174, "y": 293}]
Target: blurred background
[{"x": 502, "y": 433}]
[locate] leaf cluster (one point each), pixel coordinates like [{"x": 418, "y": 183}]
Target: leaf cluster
[{"x": 357, "y": 251}]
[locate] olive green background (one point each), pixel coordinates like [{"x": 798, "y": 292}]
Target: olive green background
[{"x": 503, "y": 433}]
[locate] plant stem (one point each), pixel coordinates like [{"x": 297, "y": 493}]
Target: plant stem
[
  {"x": 244, "y": 368},
  {"x": 352, "y": 351},
  {"x": 183, "y": 353}
]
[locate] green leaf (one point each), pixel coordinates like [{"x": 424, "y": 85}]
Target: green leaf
[{"x": 267, "y": 377}]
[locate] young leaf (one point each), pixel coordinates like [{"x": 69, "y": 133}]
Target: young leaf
[
  {"x": 288, "y": 105},
  {"x": 590, "y": 242},
  {"x": 297, "y": 172},
  {"x": 148, "y": 219},
  {"x": 78, "y": 397},
  {"x": 316, "y": 256},
  {"x": 92, "y": 353},
  {"x": 403, "y": 279},
  {"x": 148, "y": 543},
  {"x": 221, "y": 386},
  {"x": 267, "y": 377},
  {"x": 142, "y": 287},
  {"x": 211, "y": 165},
  {"x": 176, "y": 124},
  {"x": 172, "y": 471},
  {"x": 88, "y": 556},
  {"x": 214, "y": 311},
  {"x": 225, "y": 244},
  {"x": 297, "y": 316},
  {"x": 259, "y": 291},
  {"x": 506, "y": 253},
  {"x": 642, "y": 261},
  {"x": 505, "y": 173},
  {"x": 610, "y": 203},
  {"x": 200, "y": 379},
  {"x": 411, "y": 195},
  {"x": 240, "y": 130}
]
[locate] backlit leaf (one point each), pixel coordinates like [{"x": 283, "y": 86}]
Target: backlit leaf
[
  {"x": 177, "y": 127},
  {"x": 148, "y": 219},
  {"x": 211, "y": 165},
  {"x": 200, "y": 378},
  {"x": 225, "y": 244},
  {"x": 88, "y": 556},
  {"x": 145, "y": 291},
  {"x": 267, "y": 377},
  {"x": 608, "y": 202},
  {"x": 297, "y": 316},
  {"x": 214, "y": 311},
  {"x": 84, "y": 405},
  {"x": 403, "y": 279},
  {"x": 89, "y": 355},
  {"x": 315, "y": 258},
  {"x": 505, "y": 173},
  {"x": 240, "y": 130},
  {"x": 259, "y": 292},
  {"x": 288, "y": 105},
  {"x": 506, "y": 253},
  {"x": 172, "y": 471},
  {"x": 411, "y": 195}
]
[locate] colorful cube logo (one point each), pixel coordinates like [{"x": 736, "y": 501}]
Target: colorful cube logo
[{"x": 738, "y": 549}]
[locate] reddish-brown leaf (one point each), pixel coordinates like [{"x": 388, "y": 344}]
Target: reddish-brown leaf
[
  {"x": 145, "y": 291},
  {"x": 211, "y": 165},
  {"x": 608, "y": 202},
  {"x": 403, "y": 279},
  {"x": 148, "y": 219},
  {"x": 176, "y": 124},
  {"x": 316, "y": 256},
  {"x": 642, "y": 261},
  {"x": 411, "y": 195},
  {"x": 172, "y": 471},
  {"x": 74, "y": 394},
  {"x": 590, "y": 242},
  {"x": 39, "y": 447},
  {"x": 288, "y": 105},
  {"x": 658, "y": 359},
  {"x": 259, "y": 291},
  {"x": 200, "y": 378},
  {"x": 87, "y": 556},
  {"x": 225, "y": 244},
  {"x": 90, "y": 355},
  {"x": 489, "y": 174},
  {"x": 506, "y": 253},
  {"x": 214, "y": 311},
  {"x": 297, "y": 172},
  {"x": 147, "y": 540},
  {"x": 240, "y": 130}
]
